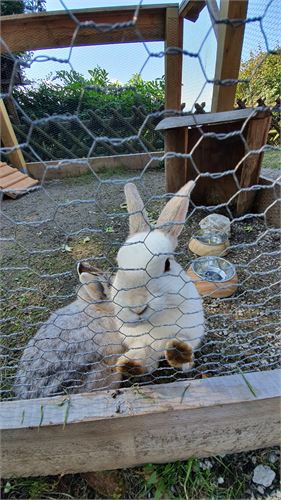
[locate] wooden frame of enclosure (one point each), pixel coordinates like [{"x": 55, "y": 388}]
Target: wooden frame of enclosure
[
  {"x": 153, "y": 23},
  {"x": 107, "y": 430},
  {"x": 128, "y": 427}
]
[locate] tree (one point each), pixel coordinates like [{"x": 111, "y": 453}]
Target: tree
[
  {"x": 9, "y": 7},
  {"x": 262, "y": 74}
]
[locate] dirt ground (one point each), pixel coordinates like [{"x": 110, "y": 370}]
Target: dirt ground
[{"x": 47, "y": 231}]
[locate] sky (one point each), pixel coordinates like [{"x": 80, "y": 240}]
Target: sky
[{"x": 123, "y": 60}]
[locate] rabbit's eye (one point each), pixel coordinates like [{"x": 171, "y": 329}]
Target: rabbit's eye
[{"x": 167, "y": 266}]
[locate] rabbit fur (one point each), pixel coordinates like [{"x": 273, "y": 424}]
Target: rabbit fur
[
  {"x": 159, "y": 309},
  {"x": 77, "y": 348}
]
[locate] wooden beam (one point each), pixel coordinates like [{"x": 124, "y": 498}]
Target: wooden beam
[
  {"x": 209, "y": 118},
  {"x": 173, "y": 84},
  {"x": 214, "y": 15},
  {"x": 190, "y": 9},
  {"x": 9, "y": 139},
  {"x": 229, "y": 49},
  {"x": 61, "y": 28},
  {"x": 173, "y": 59},
  {"x": 58, "y": 169},
  {"x": 157, "y": 423},
  {"x": 256, "y": 137}
]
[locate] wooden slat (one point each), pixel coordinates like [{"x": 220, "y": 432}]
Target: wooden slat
[
  {"x": 6, "y": 170},
  {"x": 190, "y": 9},
  {"x": 158, "y": 423},
  {"x": 56, "y": 29},
  {"x": 229, "y": 50},
  {"x": 11, "y": 179},
  {"x": 9, "y": 139},
  {"x": 256, "y": 136},
  {"x": 22, "y": 184},
  {"x": 207, "y": 118}
]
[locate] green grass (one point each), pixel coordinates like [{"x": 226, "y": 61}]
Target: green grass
[
  {"x": 272, "y": 159},
  {"x": 189, "y": 480},
  {"x": 221, "y": 478}
]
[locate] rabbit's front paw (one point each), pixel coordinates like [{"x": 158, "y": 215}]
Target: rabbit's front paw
[
  {"x": 129, "y": 367},
  {"x": 179, "y": 354}
]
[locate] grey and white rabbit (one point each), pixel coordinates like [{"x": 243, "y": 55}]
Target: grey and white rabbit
[{"x": 76, "y": 350}]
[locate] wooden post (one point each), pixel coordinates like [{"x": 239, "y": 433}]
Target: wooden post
[
  {"x": 214, "y": 15},
  {"x": 9, "y": 139},
  {"x": 256, "y": 135},
  {"x": 174, "y": 167},
  {"x": 229, "y": 49},
  {"x": 125, "y": 428}
]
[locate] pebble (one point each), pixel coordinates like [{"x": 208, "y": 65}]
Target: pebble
[
  {"x": 272, "y": 457},
  {"x": 220, "y": 480},
  {"x": 263, "y": 475},
  {"x": 206, "y": 464},
  {"x": 260, "y": 490}
]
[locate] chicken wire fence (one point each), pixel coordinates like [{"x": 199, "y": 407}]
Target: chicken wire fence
[{"x": 84, "y": 306}]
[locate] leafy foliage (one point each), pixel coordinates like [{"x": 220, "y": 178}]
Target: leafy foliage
[
  {"x": 89, "y": 107},
  {"x": 262, "y": 73},
  {"x": 9, "y": 7}
]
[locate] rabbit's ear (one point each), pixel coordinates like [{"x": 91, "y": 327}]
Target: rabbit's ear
[
  {"x": 172, "y": 217},
  {"x": 138, "y": 217},
  {"x": 96, "y": 282}
]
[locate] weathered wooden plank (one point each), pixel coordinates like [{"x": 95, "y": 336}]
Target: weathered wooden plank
[
  {"x": 159, "y": 423},
  {"x": 173, "y": 79},
  {"x": 190, "y": 9},
  {"x": 61, "y": 29},
  {"x": 214, "y": 15},
  {"x": 6, "y": 170},
  {"x": 256, "y": 136},
  {"x": 173, "y": 60},
  {"x": 229, "y": 49},
  {"x": 57, "y": 169},
  {"x": 9, "y": 139},
  {"x": 12, "y": 178},
  {"x": 207, "y": 118},
  {"x": 175, "y": 172}
]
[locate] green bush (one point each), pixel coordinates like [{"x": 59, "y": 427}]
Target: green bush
[{"x": 88, "y": 108}]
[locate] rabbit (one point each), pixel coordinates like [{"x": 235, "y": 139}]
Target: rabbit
[
  {"x": 78, "y": 346},
  {"x": 158, "y": 308}
]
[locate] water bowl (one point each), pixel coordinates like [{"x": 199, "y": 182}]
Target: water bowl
[
  {"x": 209, "y": 243},
  {"x": 213, "y": 276}
]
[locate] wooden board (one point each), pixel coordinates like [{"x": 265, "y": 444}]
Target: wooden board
[
  {"x": 6, "y": 170},
  {"x": 229, "y": 49},
  {"x": 45, "y": 30},
  {"x": 9, "y": 139},
  {"x": 58, "y": 169},
  {"x": 158, "y": 424},
  {"x": 257, "y": 134},
  {"x": 214, "y": 13},
  {"x": 190, "y": 9},
  {"x": 207, "y": 118},
  {"x": 13, "y": 182},
  {"x": 173, "y": 61}
]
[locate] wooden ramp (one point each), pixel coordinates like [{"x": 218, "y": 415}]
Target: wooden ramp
[{"x": 14, "y": 182}]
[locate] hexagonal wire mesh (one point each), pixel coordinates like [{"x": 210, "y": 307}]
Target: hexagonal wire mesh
[{"x": 138, "y": 319}]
